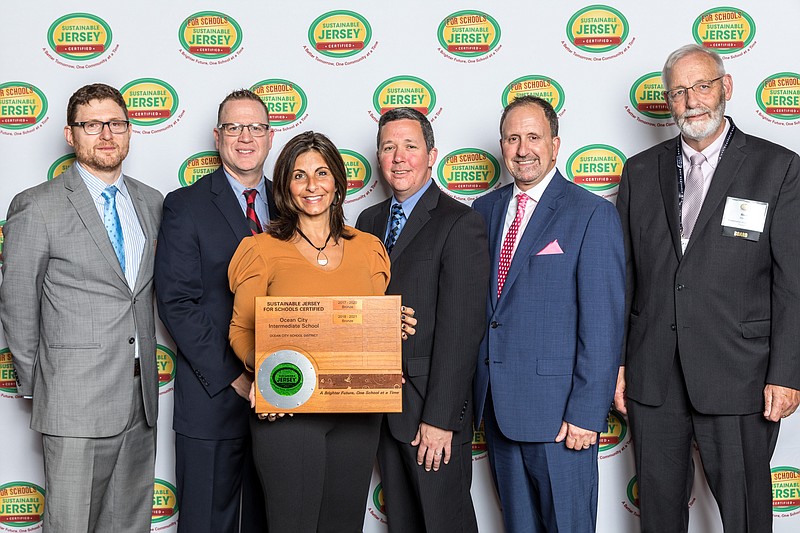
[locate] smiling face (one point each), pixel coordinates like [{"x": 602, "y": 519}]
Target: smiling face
[
  {"x": 529, "y": 148},
  {"x": 700, "y": 117},
  {"x": 403, "y": 157},
  {"x": 102, "y": 154},
  {"x": 312, "y": 186},
  {"x": 243, "y": 156}
]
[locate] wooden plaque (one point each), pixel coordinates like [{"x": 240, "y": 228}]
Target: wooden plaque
[{"x": 328, "y": 354}]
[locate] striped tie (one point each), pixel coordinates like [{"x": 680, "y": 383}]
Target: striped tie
[{"x": 252, "y": 218}]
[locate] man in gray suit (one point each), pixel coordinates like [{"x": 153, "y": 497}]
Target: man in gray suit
[{"x": 76, "y": 304}]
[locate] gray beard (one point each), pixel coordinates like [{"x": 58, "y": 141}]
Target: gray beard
[{"x": 700, "y": 130}]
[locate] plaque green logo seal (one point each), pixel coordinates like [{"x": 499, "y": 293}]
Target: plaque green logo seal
[{"x": 286, "y": 379}]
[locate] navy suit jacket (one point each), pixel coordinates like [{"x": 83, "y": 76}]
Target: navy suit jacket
[
  {"x": 553, "y": 339},
  {"x": 200, "y": 230}
]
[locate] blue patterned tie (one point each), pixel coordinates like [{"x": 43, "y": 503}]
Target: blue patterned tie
[
  {"x": 394, "y": 227},
  {"x": 113, "y": 227}
]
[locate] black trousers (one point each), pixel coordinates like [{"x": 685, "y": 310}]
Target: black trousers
[
  {"x": 315, "y": 470},
  {"x": 735, "y": 451}
]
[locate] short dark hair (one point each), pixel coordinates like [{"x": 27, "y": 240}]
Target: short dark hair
[
  {"x": 285, "y": 225},
  {"x": 528, "y": 99},
  {"x": 94, "y": 91},
  {"x": 241, "y": 94},
  {"x": 407, "y": 113}
]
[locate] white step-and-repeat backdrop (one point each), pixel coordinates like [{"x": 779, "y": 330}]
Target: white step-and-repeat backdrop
[{"x": 333, "y": 67}]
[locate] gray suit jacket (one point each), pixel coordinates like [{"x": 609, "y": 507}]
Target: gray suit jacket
[{"x": 68, "y": 314}]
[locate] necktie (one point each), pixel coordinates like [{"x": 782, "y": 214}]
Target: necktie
[
  {"x": 112, "y": 224},
  {"x": 693, "y": 195},
  {"x": 394, "y": 227},
  {"x": 506, "y": 252},
  {"x": 252, "y": 218}
]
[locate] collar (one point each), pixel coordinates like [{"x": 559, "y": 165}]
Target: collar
[
  {"x": 535, "y": 193},
  {"x": 411, "y": 201}
]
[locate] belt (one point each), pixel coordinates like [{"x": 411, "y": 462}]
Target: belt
[{"x": 137, "y": 369}]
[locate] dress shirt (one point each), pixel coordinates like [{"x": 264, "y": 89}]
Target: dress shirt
[
  {"x": 262, "y": 211},
  {"x": 407, "y": 207},
  {"x": 535, "y": 194}
]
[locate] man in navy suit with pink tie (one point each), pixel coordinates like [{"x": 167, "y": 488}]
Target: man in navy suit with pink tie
[{"x": 548, "y": 362}]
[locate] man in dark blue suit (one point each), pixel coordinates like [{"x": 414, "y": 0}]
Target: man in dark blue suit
[
  {"x": 201, "y": 229},
  {"x": 548, "y": 362}
]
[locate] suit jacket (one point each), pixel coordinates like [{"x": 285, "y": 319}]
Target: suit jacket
[
  {"x": 728, "y": 305},
  {"x": 552, "y": 346},
  {"x": 440, "y": 266},
  {"x": 201, "y": 228},
  {"x": 68, "y": 314}
]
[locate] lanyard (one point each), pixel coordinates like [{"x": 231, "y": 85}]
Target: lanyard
[{"x": 681, "y": 179}]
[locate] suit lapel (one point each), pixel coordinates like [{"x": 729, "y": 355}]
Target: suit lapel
[
  {"x": 496, "y": 222},
  {"x": 82, "y": 201},
  {"x": 724, "y": 175},
  {"x": 228, "y": 205},
  {"x": 668, "y": 179},
  {"x": 419, "y": 217},
  {"x": 545, "y": 210}
]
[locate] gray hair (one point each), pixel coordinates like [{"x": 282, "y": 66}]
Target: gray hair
[{"x": 688, "y": 50}]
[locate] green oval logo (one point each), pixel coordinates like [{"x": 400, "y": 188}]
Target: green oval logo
[
  {"x": 724, "y": 29},
  {"x": 785, "y": 489},
  {"x": 596, "y": 167},
  {"x": 22, "y": 105},
  {"x": 377, "y": 499},
  {"x": 8, "y": 377},
  {"x": 633, "y": 491},
  {"x": 597, "y": 29},
  {"x": 404, "y": 91},
  {"x": 358, "y": 170},
  {"x": 616, "y": 432},
  {"x": 150, "y": 101},
  {"x": 210, "y": 35},
  {"x": 468, "y": 171},
  {"x": 542, "y": 87},
  {"x": 339, "y": 33},
  {"x": 647, "y": 96},
  {"x": 469, "y": 33},
  {"x": 165, "y": 501},
  {"x": 165, "y": 362},
  {"x": 60, "y": 166},
  {"x": 21, "y": 504},
  {"x": 779, "y": 96},
  {"x": 198, "y": 165},
  {"x": 79, "y": 36},
  {"x": 286, "y": 379},
  {"x": 284, "y": 99}
]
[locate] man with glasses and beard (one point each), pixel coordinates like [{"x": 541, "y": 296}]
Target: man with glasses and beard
[{"x": 712, "y": 299}]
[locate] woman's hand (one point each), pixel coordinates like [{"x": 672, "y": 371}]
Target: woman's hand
[
  {"x": 271, "y": 417},
  {"x": 407, "y": 322}
]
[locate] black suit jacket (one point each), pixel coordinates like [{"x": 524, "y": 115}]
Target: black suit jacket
[
  {"x": 728, "y": 305},
  {"x": 440, "y": 266},
  {"x": 200, "y": 230}
]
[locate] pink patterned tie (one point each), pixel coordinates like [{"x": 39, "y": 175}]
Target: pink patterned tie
[{"x": 507, "y": 251}]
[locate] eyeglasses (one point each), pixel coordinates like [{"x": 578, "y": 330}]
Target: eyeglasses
[
  {"x": 701, "y": 87},
  {"x": 94, "y": 127},
  {"x": 234, "y": 129}
]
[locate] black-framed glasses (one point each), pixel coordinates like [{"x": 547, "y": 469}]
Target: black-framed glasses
[
  {"x": 94, "y": 127},
  {"x": 234, "y": 129},
  {"x": 701, "y": 87}
]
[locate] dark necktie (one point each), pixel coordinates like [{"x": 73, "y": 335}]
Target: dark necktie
[
  {"x": 394, "y": 227},
  {"x": 252, "y": 218}
]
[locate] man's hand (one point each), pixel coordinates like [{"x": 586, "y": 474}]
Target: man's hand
[
  {"x": 780, "y": 402},
  {"x": 433, "y": 446},
  {"x": 576, "y": 438},
  {"x": 242, "y": 385},
  {"x": 620, "y": 403}
]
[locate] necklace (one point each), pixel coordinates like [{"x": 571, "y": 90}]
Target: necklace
[{"x": 322, "y": 259}]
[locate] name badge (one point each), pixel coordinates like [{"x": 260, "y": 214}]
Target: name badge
[{"x": 744, "y": 218}]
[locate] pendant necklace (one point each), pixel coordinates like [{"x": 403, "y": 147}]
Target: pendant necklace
[{"x": 322, "y": 259}]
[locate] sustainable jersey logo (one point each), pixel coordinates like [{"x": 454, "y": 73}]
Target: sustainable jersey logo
[
  {"x": 286, "y": 379},
  {"x": 597, "y": 29},
  {"x": 404, "y": 91},
  {"x": 21, "y": 505},
  {"x": 285, "y": 100},
  {"x": 724, "y": 29},
  {"x": 469, "y": 33},
  {"x": 210, "y": 35},
  {"x": 165, "y": 501},
  {"x": 779, "y": 96},
  {"x": 596, "y": 167},
  {"x": 647, "y": 96},
  {"x": 616, "y": 432},
  {"x": 22, "y": 105},
  {"x": 165, "y": 362},
  {"x": 358, "y": 171},
  {"x": 150, "y": 101},
  {"x": 79, "y": 36},
  {"x": 339, "y": 33},
  {"x": 60, "y": 166},
  {"x": 543, "y": 87},
  {"x": 8, "y": 377},
  {"x": 468, "y": 171},
  {"x": 198, "y": 165},
  {"x": 785, "y": 489}
]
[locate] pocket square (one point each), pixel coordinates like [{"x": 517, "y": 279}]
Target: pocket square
[{"x": 551, "y": 249}]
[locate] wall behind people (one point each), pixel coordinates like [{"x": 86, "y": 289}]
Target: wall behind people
[{"x": 334, "y": 71}]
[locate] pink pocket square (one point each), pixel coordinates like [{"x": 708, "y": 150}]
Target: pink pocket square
[{"x": 551, "y": 249}]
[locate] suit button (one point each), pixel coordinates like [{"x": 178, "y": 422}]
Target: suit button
[
  {"x": 486, "y": 361},
  {"x": 679, "y": 287},
  {"x": 131, "y": 340},
  {"x": 494, "y": 324},
  {"x": 673, "y": 327}
]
